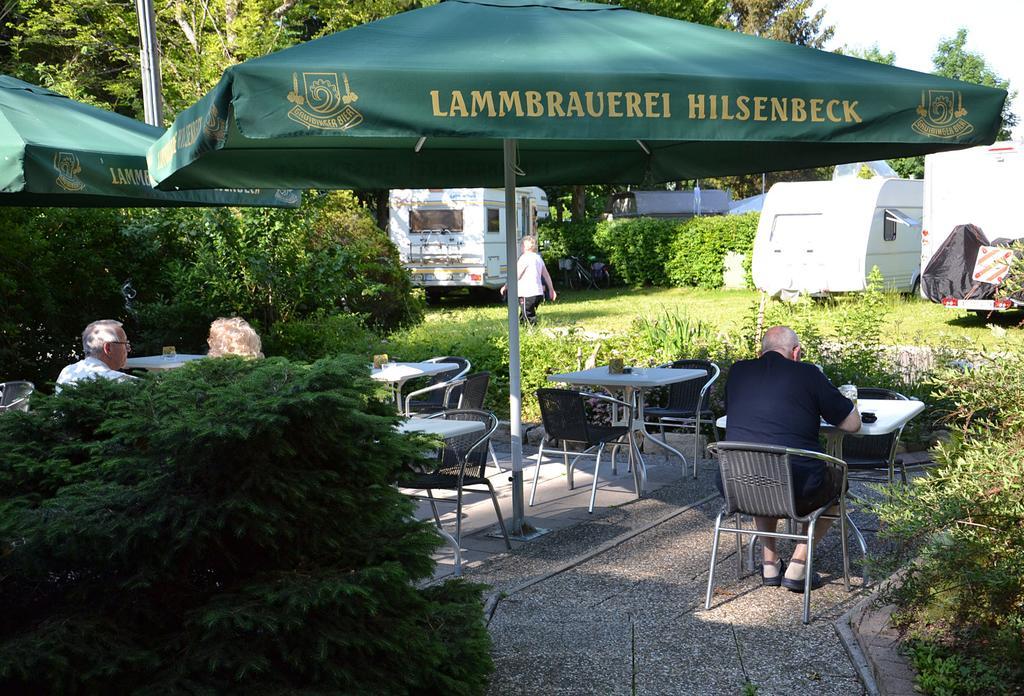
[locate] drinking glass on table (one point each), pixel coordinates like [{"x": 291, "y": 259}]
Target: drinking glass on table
[
  {"x": 850, "y": 392},
  {"x": 169, "y": 353}
]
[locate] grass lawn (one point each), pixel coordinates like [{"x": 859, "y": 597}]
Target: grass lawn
[{"x": 909, "y": 320}]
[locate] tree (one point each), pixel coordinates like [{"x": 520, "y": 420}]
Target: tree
[
  {"x": 872, "y": 53},
  {"x": 783, "y": 20},
  {"x": 696, "y": 11},
  {"x": 952, "y": 59}
]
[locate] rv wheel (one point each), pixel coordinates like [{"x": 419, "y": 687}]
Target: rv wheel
[{"x": 434, "y": 296}]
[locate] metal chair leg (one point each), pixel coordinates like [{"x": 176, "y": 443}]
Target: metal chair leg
[
  {"x": 862, "y": 544},
  {"x": 433, "y": 507},
  {"x": 536, "y": 472},
  {"x": 842, "y": 540},
  {"x": 739, "y": 548},
  {"x": 497, "y": 511},
  {"x": 569, "y": 468},
  {"x": 696, "y": 442},
  {"x": 458, "y": 518},
  {"x": 714, "y": 558},
  {"x": 494, "y": 457},
  {"x": 809, "y": 570},
  {"x": 597, "y": 470}
]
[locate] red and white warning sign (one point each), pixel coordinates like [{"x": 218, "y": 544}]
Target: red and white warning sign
[{"x": 992, "y": 264}]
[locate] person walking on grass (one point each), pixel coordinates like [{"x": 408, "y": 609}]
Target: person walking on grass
[{"x": 532, "y": 277}]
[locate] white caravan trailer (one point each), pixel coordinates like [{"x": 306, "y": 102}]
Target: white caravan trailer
[
  {"x": 980, "y": 186},
  {"x": 817, "y": 237},
  {"x": 455, "y": 238}
]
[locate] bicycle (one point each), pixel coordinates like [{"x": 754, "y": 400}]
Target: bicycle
[{"x": 578, "y": 276}]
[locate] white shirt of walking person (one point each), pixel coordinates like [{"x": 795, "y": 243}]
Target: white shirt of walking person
[
  {"x": 106, "y": 348},
  {"x": 531, "y": 273}
]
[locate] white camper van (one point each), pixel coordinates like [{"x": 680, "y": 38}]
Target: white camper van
[
  {"x": 455, "y": 238},
  {"x": 818, "y": 237},
  {"x": 980, "y": 186}
]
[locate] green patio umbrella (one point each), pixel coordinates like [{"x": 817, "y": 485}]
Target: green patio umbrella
[
  {"x": 57, "y": 152},
  {"x": 485, "y": 92}
]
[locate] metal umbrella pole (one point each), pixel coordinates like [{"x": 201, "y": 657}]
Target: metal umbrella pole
[{"x": 515, "y": 397}]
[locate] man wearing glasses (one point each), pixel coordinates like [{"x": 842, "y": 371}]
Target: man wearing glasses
[
  {"x": 106, "y": 349},
  {"x": 779, "y": 400}
]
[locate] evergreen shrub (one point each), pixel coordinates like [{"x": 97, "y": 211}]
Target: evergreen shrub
[
  {"x": 962, "y": 525},
  {"x": 228, "y": 527},
  {"x": 637, "y": 248},
  {"x": 696, "y": 257}
]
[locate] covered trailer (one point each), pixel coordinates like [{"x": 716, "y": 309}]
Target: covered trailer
[
  {"x": 450, "y": 239},
  {"x": 819, "y": 237},
  {"x": 973, "y": 211},
  {"x": 667, "y": 204}
]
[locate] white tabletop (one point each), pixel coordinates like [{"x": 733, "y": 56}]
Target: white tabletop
[
  {"x": 160, "y": 362},
  {"x": 402, "y": 371},
  {"x": 440, "y": 427},
  {"x": 638, "y": 377},
  {"x": 892, "y": 415}
]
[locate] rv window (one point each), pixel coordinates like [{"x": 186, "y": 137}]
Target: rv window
[
  {"x": 889, "y": 228},
  {"x": 493, "y": 220},
  {"x": 795, "y": 229},
  {"x": 435, "y": 221}
]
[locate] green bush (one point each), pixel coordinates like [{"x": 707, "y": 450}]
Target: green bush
[
  {"x": 561, "y": 239},
  {"x": 697, "y": 254},
  {"x": 229, "y": 527},
  {"x": 637, "y": 249},
  {"x": 963, "y": 524},
  {"x": 270, "y": 266},
  {"x": 312, "y": 339},
  {"x": 62, "y": 269}
]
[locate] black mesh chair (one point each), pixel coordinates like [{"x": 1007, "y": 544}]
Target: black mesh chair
[
  {"x": 756, "y": 480},
  {"x": 14, "y": 395},
  {"x": 470, "y": 392},
  {"x": 867, "y": 455},
  {"x": 460, "y": 467},
  {"x": 436, "y": 396},
  {"x": 689, "y": 404},
  {"x": 564, "y": 413}
]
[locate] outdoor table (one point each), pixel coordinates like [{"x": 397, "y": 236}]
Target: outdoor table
[
  {"x": 633, "y": 386},
  {"x": 444, "y": 429},
  {"x": 439, "y": 427},
  {"x": 159, "y": 363},
  {"x": 892, "y": 415},
  {"x": 396, "y": 374}
]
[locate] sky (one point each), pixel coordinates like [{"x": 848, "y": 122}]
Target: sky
[{"x": 912, "y": 30}]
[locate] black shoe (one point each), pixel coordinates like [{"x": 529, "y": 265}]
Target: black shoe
[
  {"x": 798, "y": 585},
  {"x": 777, "y": 580}
]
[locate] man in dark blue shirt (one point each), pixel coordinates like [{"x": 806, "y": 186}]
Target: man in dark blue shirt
[{"x": 778, "y": 400}]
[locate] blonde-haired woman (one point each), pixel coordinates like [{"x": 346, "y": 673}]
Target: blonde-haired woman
[{"x": 233, "y": 336}]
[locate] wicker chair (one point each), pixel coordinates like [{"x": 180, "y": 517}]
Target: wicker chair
[
  {"x": 460, "y": 467},
  {"x": 688, "y": 404},
  {"x": 14, "y": 395},
  {"x": 436, "y": 396},
  {"x": 866, "y": 455},
  {"x": 564, "y": 414},
  {"x": 756, "y": 480}
]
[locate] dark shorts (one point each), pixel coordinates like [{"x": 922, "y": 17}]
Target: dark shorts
[{"x": 814, "y": 484}]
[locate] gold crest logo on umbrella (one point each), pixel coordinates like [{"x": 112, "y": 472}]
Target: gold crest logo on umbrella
[
  {"x": 941, "y": 115},
  {"x": 68, "y": 168},
  {"x": 321, "y": 103}
]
